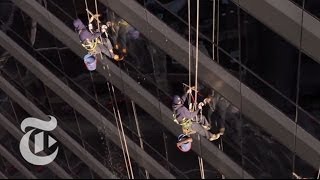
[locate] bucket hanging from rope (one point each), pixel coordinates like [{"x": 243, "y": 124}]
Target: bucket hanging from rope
[
  {"x": 90, "y": 61},
  {"x": 184, "y": 147}
]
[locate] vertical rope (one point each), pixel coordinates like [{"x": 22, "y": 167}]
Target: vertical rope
[
  {"x": 96, "y": 5},
  {"x": 197, "y": 56},
  {"x": 120, "y": 137},
  {"x": 125, "y": 142},
  {"x": 241, "y": 79},
  {"x": 297, "y": 90},
  {"x": 213, "y": 27},
  {"x": 200, "y": 157},
  {"x": 139, "y": 133},
  {"x": 164, "y": 136},
  {"x": 87, "y": 10},
  {"x": 121, "y": 133},
  {"x": 14, "y": 111},
  {"x": 218, "y": 29},
  {"x": 116, "y": 112},
  {"x": 118, "y": 119},
  {"x": 200, "y": 160},
  {"x": 120, "y": 122},
  {"x": 196, "y": 87},
  {"x": 213, "y": 55},
  {"x": 189, "y": 51}
]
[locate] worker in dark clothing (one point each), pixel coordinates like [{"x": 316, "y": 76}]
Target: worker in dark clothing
[
  {"x": 118, "y": 32},
  {"x": 191, "y": 122},
  {"x": 214, "y": 103}
]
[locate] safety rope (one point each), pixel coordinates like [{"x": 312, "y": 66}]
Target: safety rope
[
  {"x": 119, "y": 123},
  {"x": 138, "y": 131},
  {"x": 98, "y": 24},
  {"x": 88, "y": 16},
  {"x": 200, "y": 148},
  {"x": 200, "y": 160},
  {"x": 116, "y": 110},
  {"x": 214, "y": 57},
  {"x": 196, "y": 88},
  {"x": 240, "y": 90},
  {"x": 218, "y": 29},
  {"x": 213, "y": 27},
  {"x": 197, "y": 56},
  {"x": 14, "y": 111},
  {"x": 298, "y": 88},
  {"x": 122, "y": 132},
  {"x": 189, "y": 53},
  {"x": 120, "y": 129},
  {"x": 119, "y": 133}
]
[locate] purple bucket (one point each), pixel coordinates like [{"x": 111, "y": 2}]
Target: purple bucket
[{"x": 90, "y": 62}]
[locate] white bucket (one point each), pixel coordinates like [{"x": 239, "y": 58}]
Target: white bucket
[{"x": 90, "y": 61}]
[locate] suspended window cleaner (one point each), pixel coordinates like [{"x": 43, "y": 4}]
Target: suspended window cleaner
[
  {"x": 190, "y": 121},
  {"x": 106, "y": 35},
  {"x": 184, "y": 143},
  {"x": 113, "y": 35},
  {"x": 118, "y": 32},
  {"x": 91, "y": 41}
]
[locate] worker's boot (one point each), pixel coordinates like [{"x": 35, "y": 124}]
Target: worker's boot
[
  {"x": 222, "y": 131},
  {"x": 214, "y": 137},
  {"x": 208, "y": 127}
]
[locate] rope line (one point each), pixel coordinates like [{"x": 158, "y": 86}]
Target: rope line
[
  {"x": 189, "y": 52},
  {"x": 196, "y": 89},
  {"x": 116, "y": 110},
  {"x": 138, "y": 131},
  {"x": 298, "y": 90},
  {"x": 240, "y": 90}
]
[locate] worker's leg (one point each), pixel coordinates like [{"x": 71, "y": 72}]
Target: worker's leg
[
  {"x": 199, "y": 129},
  {"x": 203, "y": 120},
  {"x": 103, "y": 49},
  {"x": 108, "y": 45}
]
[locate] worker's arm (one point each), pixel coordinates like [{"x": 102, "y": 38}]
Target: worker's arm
[
  {"x": 188, "y": 114},
  {"x": 184, "y": 97}
]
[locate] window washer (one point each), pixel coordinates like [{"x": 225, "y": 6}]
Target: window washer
[{"x": 191, "y": 122}]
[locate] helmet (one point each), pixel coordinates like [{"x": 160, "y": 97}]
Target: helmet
[{"x": 177, "y": 100}]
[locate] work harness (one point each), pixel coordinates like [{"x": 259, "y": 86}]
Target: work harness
[
  {"x": 91, "y": 45},
  {"x": 185, "y": 125}
]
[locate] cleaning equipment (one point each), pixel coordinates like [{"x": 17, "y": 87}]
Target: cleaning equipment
[
  {"x": 90, "y": 61},
  {"x": 184, "y": 143}
]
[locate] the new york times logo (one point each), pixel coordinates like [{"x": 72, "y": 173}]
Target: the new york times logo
[{"x": 39, "y": 140}]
